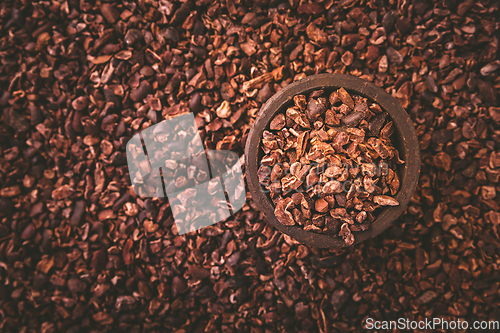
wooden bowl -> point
(404, 139)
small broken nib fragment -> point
(346, 234)
(329, 163)
(384, 200)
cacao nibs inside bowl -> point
(329, 163)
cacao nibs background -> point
(80, 252)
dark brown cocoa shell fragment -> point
(278, 122)
(331, 119)
(376, 123)
(345, 98)
(297, 198)
(334, 98)
(341, 199)
(354, 118)
(139, 93)
(133, 36)
(315, 108)
(332, 226)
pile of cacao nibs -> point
(330, 163)
(80, 251)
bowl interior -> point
(404, 139)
